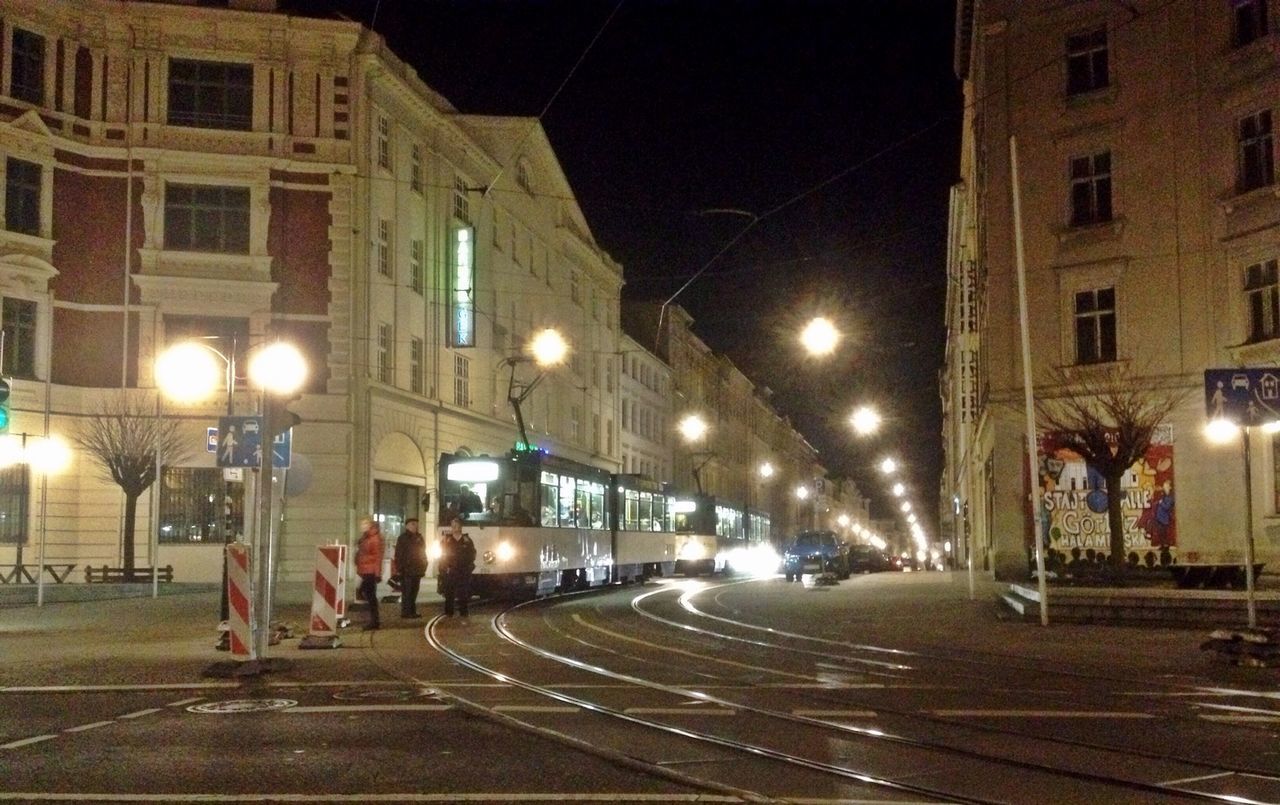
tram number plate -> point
(812, 566)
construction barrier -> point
(343, 620)
(327, 596)
(239, 600)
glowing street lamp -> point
(899, 489)
(278, 369)
(819, 337)
(1221, 431)
(865, 420)
(906, 506)
(888, 466)
(187, 372)
(802, 492)
(548, 348)
(766, 470)
(843, 520)
(693, 428)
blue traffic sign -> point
(240, 443)
(211, 440)
(1243, 396)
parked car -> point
(816, 552)
(868, 559)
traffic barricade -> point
(239, 600)
(327, 596)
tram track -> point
(816, 696)
(844, 731)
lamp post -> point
(693, 430)
(546, 349)
(187, 372)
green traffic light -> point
(4, 418)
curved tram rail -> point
(844, 731)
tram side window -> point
(646, 511)
(631, 518)
(566, 501)
(659, 513)
(550, 497)
(599, 514)
(582, 505)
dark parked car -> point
(868, 559)
(816, 552)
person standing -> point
(411, 562)
(369, 567)
(457, 563)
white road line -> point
(1241, 719)
(140, 713)
(370, 708)
(92, 726)
(1266, 711)
(1202, 778)
(96, 688)
(534, 708)
(503, 796)
(1041, 713)
(27, 741)
(677, 711)
(834, 713)
(181, 702)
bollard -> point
(239, 606)
(326, 595)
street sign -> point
(240, 443)
(4, 405)
(211, 440)
(1244, 396)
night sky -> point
(836, 122)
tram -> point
(719, 536)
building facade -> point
(1151, 221)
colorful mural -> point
(1075, 504)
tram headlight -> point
(505, 551)
(433, 551)
(692, 551)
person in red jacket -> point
(369, 567)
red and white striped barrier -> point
(239, 600)
(327, 597)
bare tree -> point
(124, 438)
(1108, 417)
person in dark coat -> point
(411, 564)
(369, 567)
(457, 563)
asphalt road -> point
(892, 687)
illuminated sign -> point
(685, 506)
(462, 304)
(472, 471)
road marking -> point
(92, 726)
(677, 711)
(181, 702)
(96, 688)
(1042, 713)
(834, 713)
(1241, 719)
(1200, 779)
(27, 741)
(140, 713)
(1266, 711)
(503, 796)
(534, 708)
(370, 708)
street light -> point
(843, 520)
(888, 466)
(899, 489)
(1221, 431)
(865, 420)
(766, 470)
(906, 506)
(802, 492)
(692, 428)
(819, 337)
(547, 348)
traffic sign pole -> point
(1250, 594)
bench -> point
(21, 574)
(108, 575)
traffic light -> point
(279, 417)
(4, 405)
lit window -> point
(204, 218)
(461, 381)
(1087, 62)
(384, 247)
(384, 142)
(415, 365)
(1095, 321)
(26, 71)
(417, 272)
(1091, 189)
(461, 205)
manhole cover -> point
(243, 706)
(383, 694)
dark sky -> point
(689, 105)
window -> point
(1248, 21)
(595, 433)
(22, 184)
(384, 142)
(26, 76)
(14, 494)
(415, 365)
(417, 274)
(515, 247)
(595, 370)
(210, 95)
(1087, 68)
(575, 293)
(595, 307)
(1256, 166)
(384, 247)
(461, 381)
(575, 417)
(193, 501)
(1264, 302)
(522, 176)
(608, 374)
(461, 205)
(386, 353)
(626, 415)
(203, 218)
(1091, 189)
(415, 169)
(1096, 326)
(608, 437)
(18, 323)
